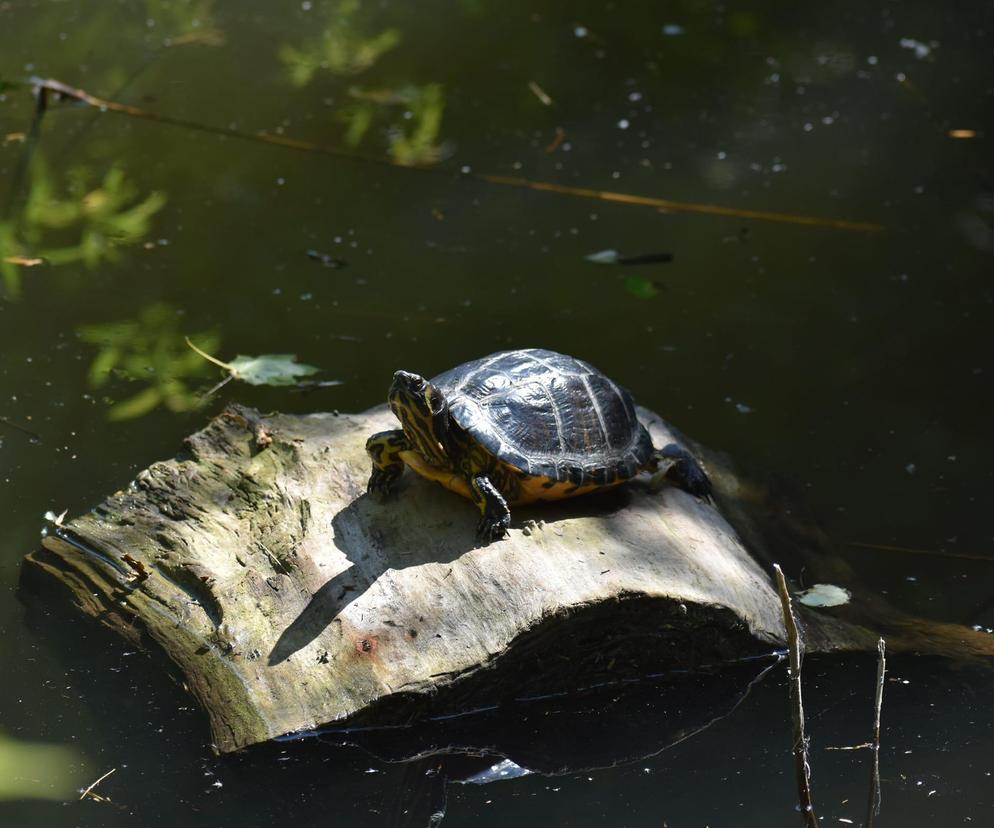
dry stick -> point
(663, 204)
(94, 784)
(873, 805)
(935, 553)
(802, 769)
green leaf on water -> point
(642, 288)
(265, 369)
(270, 369)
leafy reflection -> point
(88, 224)
(31, 770)
(150, 350)
(411, 115)
(342, 49)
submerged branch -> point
(935, 553)
(873, 805)
(104, 105)
(802, 769)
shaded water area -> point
(853, 365)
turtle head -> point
(424, 414)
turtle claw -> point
(493, 528)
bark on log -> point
(290, 599)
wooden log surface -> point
(289, 598)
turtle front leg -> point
(384, 450)
(678, 466)
(496, 516)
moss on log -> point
(290, 599)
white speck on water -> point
(306, 297)
(873, 60)
(919, 190)
(828, 120)
(306, 5)
(580, 31)
(634, 97)
(281, 181)
(921, 50)
(465, 169)
(778, 167)
(742, 408)
(616, 174)
(951, 458)
(911, 578)
(623, 123)
(673, 29)
(809, 126)
(722, 155)
(911, 468)
(900, 77)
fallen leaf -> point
(824, 595)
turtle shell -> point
(549, 415)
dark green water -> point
(857, 365)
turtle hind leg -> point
(678, 466)
(496, 517)
(384, 450)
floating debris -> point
(325, 259)
(539, 93)
(824, 595)
(608, 257)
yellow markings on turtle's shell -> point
(537, 488)
(531, 488)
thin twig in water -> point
(801, 767)
(935, 553)
(873, 805)
(88, 791)
(65, 91)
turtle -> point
(517, 427)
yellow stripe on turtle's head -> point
(424, 415)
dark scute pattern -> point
(549, 414)
(525, 417)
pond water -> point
(849, 362)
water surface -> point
(855, 365)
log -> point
(289, 599)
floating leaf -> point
(265, 369)
(270, 369)
(608, 257)
(642, 288)
(603, 257)
(824, 595)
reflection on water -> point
(342, 48)
(149, 351)
(854, 364)
(80, 221)
(30, 770)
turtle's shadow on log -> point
(373, 535)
